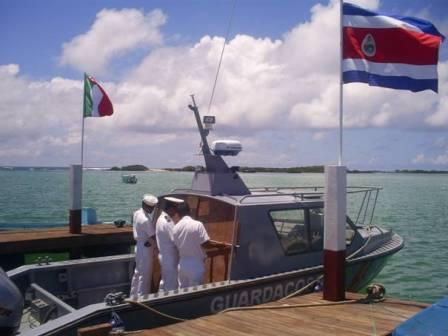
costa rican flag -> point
(396, 52)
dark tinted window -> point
(291, 229)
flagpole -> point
(83, 118)
(82, 141)
(341, 92)
(75, 210)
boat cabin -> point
(270, 230)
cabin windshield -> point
(302, 230)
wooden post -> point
(334, 233)
(75, 199)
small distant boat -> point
(132, 179)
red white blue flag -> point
(396, 52)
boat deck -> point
(315, 317)
(96, 237)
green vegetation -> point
(310, 169)
(130, 168)
(420, 171)
(291, 170)
(186, 169)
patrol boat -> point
(274, 248)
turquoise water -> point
(414, 206)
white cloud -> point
(438, 160)
(440, 116)
(285, 84)
(114, 33)
(439, 146)
(9, 69)
(420, 158)
(441, 159)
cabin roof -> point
(277, 195)
(264, 195)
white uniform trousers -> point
(191, 272)
(168, 265)
(141, 281)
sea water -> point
(413, 205)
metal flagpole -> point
(82, 140)
(75, 210)
(341, 92)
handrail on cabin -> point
(303, 195)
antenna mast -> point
(194, 108)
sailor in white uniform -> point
(144, 235)
(168, 254)
(190, 238)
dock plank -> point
(36, 240)
(332, 320)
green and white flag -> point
(96, 101)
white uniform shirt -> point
(143, 226)
(188, 236)
(164, 235)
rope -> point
(299, 291)
(155, 310)
(403, 316)
(368, 299)
(375, 295)
(284, 306)
(222, 54)
(372, 309)
(414, 304)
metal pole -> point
(232, 251)
(82, 142)
(194, 108)
(83, 118)
(341, 92)
(75, 198)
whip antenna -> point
(222, 54)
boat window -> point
(292, 230)
(316, 229)
(302, 230)
(317, 219)
(349, 234)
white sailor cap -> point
(150, 200)
(174, 199)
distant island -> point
(420, 171)
(243, 169)
(314, 169)
(130, 168)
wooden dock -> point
(313, 316)
(95, 240)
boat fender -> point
(117, 323)
(11, 306)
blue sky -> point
(277, 91)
